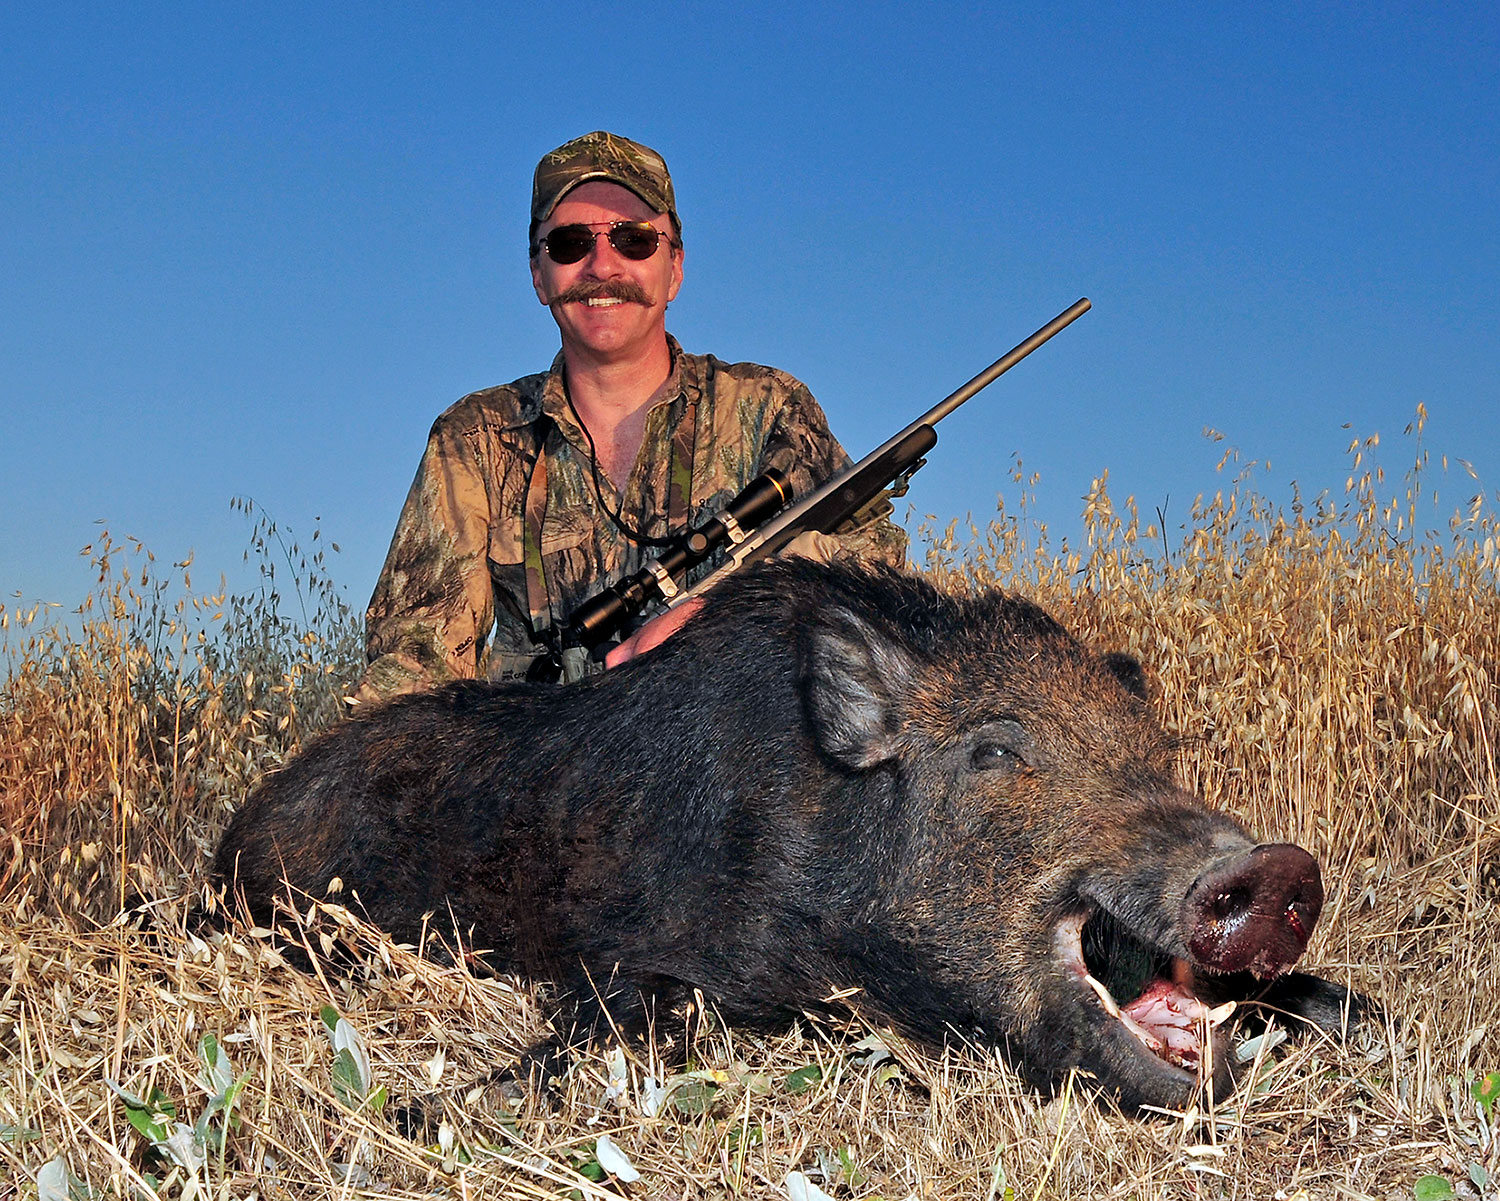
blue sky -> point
(255, 250)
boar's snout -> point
(1254, 912)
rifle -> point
(760, 507)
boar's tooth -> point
(1219, 1014)
(1148, 1040)
(1111, 1006)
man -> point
(534, 496)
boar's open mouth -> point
(1250, 911)
(1148, 991)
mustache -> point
(614, 289)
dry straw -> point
(1331, 666)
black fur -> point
(829, 779)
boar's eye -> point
(1001, 746)
(996, 756)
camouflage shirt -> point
(507, 480)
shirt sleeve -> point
(433, 606)
(801, 444)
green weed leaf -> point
(588, 1167)
(1486, 1091)
(347, 1087)
(848, 1169)
(737, 1137)
(1432, 1188)
(153, 1117)
(695, 1097)
(351, 1062)
(803, 1078)
(218, 1072)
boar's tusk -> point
(1111, 1006)
(1220, 1014)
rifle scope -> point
(604, 615)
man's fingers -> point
(653, 633)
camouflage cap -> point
(605, 156)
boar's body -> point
(830, 779)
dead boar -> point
(832, 779)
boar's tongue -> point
(1168, 1020)
(1165, 1016)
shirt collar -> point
(554, 397)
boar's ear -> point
(1128, 670)
(854, 676)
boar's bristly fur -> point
(829, 779)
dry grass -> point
(1333, 666)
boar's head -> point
(1042, 883)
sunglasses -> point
(633, 240)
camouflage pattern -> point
(498, 542)
(605, 156)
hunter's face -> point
(608, 308)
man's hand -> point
(654, 632)
(809, 544)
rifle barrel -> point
(777, 532)
(1005, 362)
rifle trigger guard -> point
(665, 584)
(732, 528)
(902, 482)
